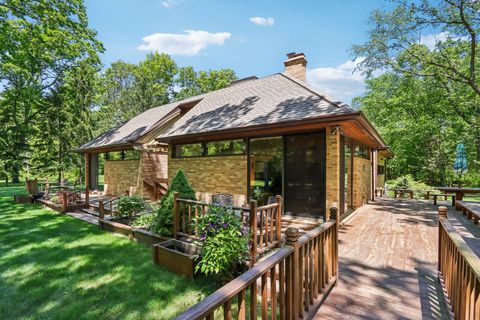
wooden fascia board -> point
(110, 148)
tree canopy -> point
(54, 95)
(426, 99)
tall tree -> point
(39, 42)
(397, 41)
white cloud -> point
(261, 21)
(340, 82)
(188, 44)
(170, 3)
(430, 40)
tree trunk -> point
(15, 177)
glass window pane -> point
(266, 156)
(188, 150)
(225, 147)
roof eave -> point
(256, 128)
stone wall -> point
(332, 170)
(212, 175)
(362, 181)
(120, 176)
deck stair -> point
(158, 187)
(89, 211)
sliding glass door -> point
(305, 175)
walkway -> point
(388, 257)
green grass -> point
(54, 266)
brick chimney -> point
(296, 66)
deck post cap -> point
(442, 211)
(292, 234)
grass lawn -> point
(54, 266)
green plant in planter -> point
(163, 221)
(131, 205)
(224, 242)
(147, 217)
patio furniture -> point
(459, 192)
(400, 192)
(223, 199)
(436, 195)
(470, 209)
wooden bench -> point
(400, 192)
(470, 209)
(446, 195)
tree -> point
(192, 83)
(39, 42)
(411, 115)
(395, 43)
(163, 221)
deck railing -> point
(106, 208)
(265, 222)
(458, 270)
(289, 284)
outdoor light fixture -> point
(336, 130)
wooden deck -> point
(388, 260)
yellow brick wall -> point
(332, 170)
(121, 176)
(213, 175)
(362, 180)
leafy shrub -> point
(163, 220)
(131, 205)
(224, 240)
(147, 217)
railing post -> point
(334, 216)
(279, 200)
(253, 230)
(64, 202)
(293, 293)
(176, 215)
(442, 214)
(101, 210)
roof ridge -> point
(305, 85)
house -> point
(258, 138)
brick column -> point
(332, 170)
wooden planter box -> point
(115, 227)
(140, 235)
(146, 237)
(23, 199)
(176, 256)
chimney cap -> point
(294, 55)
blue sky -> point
(250, 37)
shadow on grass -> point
(54, 266)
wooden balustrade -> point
(265, 222)
(458, 270)
(289, 284)
(106, 207)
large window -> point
(213, 148)
(266, 155)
